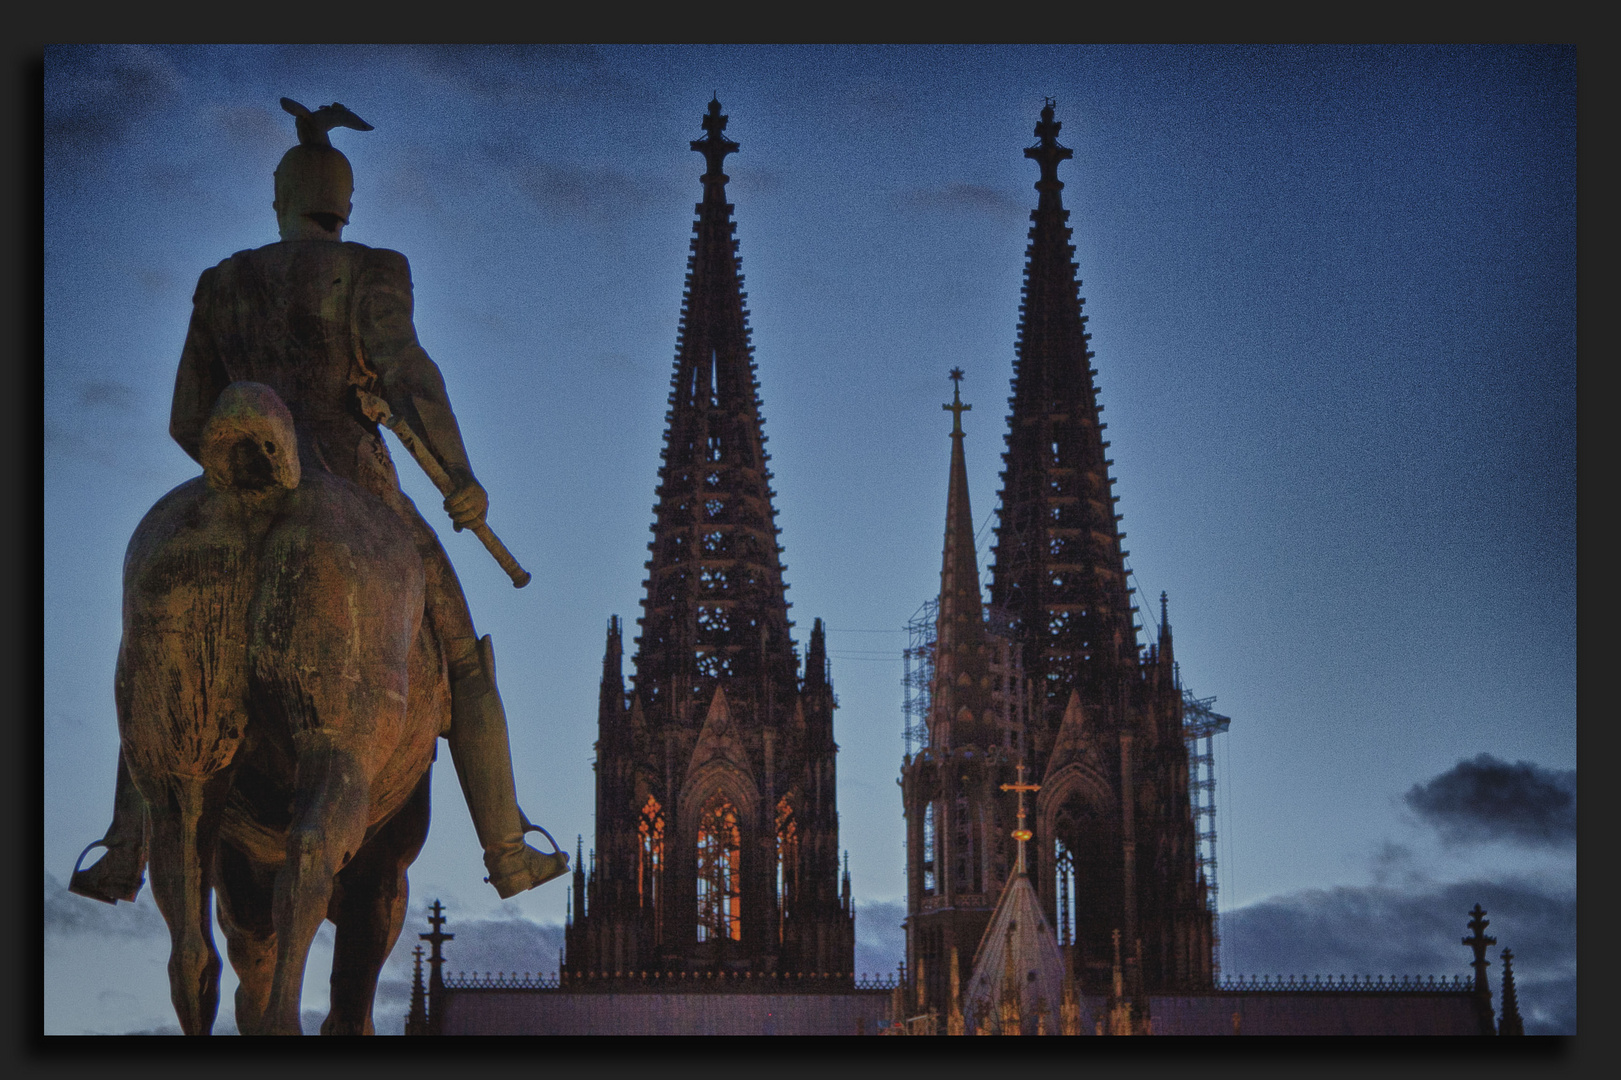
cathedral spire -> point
(717, 817)
(1059, 572)
(960, 662)
(716, 607)
(612, 698)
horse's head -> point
(248, 444)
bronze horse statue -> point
(279, 696)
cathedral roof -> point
(1019, 951)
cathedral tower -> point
(717, 832)
(958, 815)
(1099, 720)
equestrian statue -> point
(295, 640)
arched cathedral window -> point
(1065, 863)
(650, 864)
(720, 866)
(787, 861)
(930, 842)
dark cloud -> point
(94, 94)
(880, 938)
(1488, 799)
(1378, 930)
(965, 199)
(66, 913)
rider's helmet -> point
(314, 182)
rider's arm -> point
(201, 376)
(411, 382)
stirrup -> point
(514, 872)
(82, 883)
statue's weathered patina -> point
(295, 639)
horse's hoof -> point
(523, 869)
(115, 876)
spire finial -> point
(1021, 834)
(1478, 941)
(956, 408)
(714, 146)
(1047, 153)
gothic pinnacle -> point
(1048, 153)
(714, 146)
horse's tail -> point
(248, 443)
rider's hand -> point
(468, 504)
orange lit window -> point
(650, 865)
(720, 865)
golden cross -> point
(1021, 834)
(956, 408)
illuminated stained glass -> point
(720, 864)
(650, 864)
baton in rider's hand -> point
(377, 410)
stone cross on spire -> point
(1047, 153)
(1021, 834)
(714, 146)
(956, 408)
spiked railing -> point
(757, 982)
(1405, 984)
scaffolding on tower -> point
(917, 677)
(1200, 725)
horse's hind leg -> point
(368, 907)
(185, 819)
(245, 889)
(331, 802)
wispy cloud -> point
(66, 913)
(108, 394)
(573, 191)
(1488, 799)
(94, 94)
(555, 73)
(511, 944)
(972, 199)
(881, 938)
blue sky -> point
(1332, 297)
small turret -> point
(1510, 1023)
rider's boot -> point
(483, 759)
(118, 874)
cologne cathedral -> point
(713, 902)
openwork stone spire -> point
(961, 687)
(716, 607)
(717, 818)
(1059, 572)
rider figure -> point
(317, 318)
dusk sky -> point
(1332, 293)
